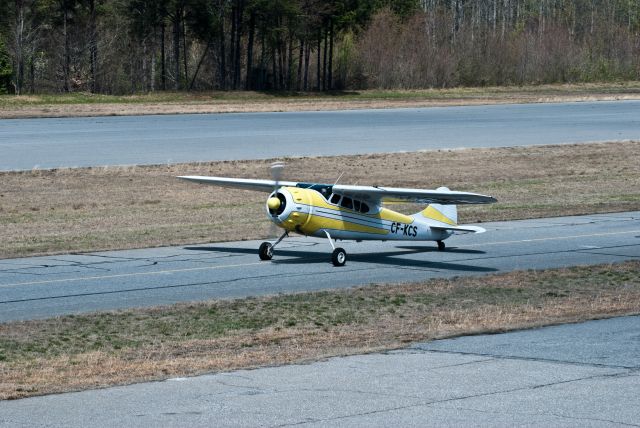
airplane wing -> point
(239, 183)
(441, 195)
(463, 228)
(374, 194)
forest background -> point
(133, 46)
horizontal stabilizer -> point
(462, 228)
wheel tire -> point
(339, 257)
(265, 251)
(441, 246)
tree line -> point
(128, 46)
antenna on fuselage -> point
(339, 177)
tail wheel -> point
(339, 257)
(441, 246)
(265, 251)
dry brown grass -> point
(87, 209)
(83, 104)
(96, 350)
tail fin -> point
(447, 214)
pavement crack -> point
(602, 253)
(538, 253)
(248, 389)
(557, 415)
(447, 400)
(537, 359)
(579, 418)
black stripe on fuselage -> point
(381, 228)
(374, 222)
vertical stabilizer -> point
(447, 214)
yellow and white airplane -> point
(343, 212)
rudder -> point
(443, 213)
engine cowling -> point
(289, 208)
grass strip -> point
(120, 347)
(89, 209)
(87, 104)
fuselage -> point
(311, 212)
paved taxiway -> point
(47, 286)
(577, 375)
(72, 142)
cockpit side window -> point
(347, 203)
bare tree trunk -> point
(184, 47)
(93, 46)
(176, 50)
(290, 59)
(318, 74)
(67, 50)
(473, 21)
(19, 46)
(275, 68)
(145, 76)
(223, 55)
(593, 9)
(252, 26)
(541, 23)
(300, 60)
(307, 53)
(263, 62)
(238, 45)
(281, 62)
(195, 73)
(32, 75)
(163, 78)
(495, 15)
(152, 87)
(324, 62)
(330, 71)
(232, 47)
(504, 19)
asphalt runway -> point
(47, 286)
(579, 375)
(77, 142)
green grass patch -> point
(113, 332)
(10, 101)
(84, 351)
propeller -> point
(277, 168)
(274, 203)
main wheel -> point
(339, 257)
(441, 246)
(265, 251)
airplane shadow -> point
(390, 258)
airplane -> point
(354, 213)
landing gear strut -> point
(441, 245)
(339, 255)
(265, 252)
